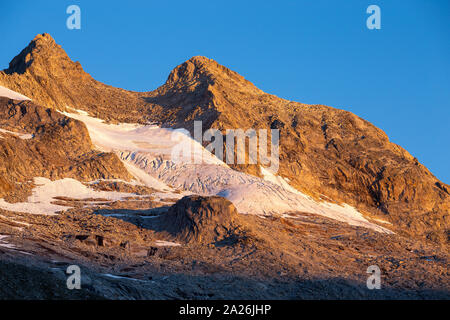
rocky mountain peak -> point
(44, 72)
(199, 69)
(43, 39)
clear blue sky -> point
(317, 52)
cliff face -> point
(325, 152)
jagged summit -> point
(44, 72)
(41, 50)
(43, 38)
(198, 65)
(323, 151)
(203, 69)
(34, 70)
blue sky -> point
(317, 52)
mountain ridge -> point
(323, 151)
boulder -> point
(200, 219)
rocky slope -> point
(201, 219)
(324, 152)
(129, 256)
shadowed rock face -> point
(323, 151)
(200, 219)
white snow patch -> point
(381, 221)
(5, 244)
(23, 136)
(120, 277)
(82, 112)
(5, 92)
(162, 243)
(40, 202)
(168, 196)
(269, 176)
(132, 183)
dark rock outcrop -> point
(200, 219)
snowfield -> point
(5, 92)
(159, 142)
(24, 136)
(147, 150)
(43, 196)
